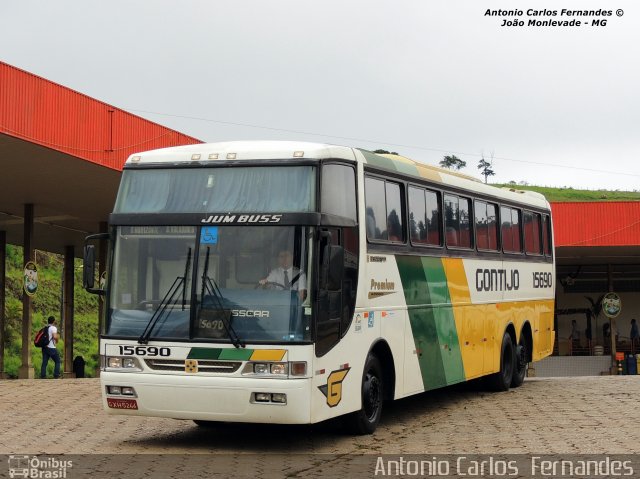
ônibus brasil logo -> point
(41, 468)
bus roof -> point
(205, 153)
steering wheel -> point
(272, 284)
(146, 303)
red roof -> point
(40, 111)
(606, 223)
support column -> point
(26, 370)
(68, 302)
(3, 282)
(612, 323)
(102, 266)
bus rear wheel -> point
(521, 363)
(501, 381)
(367, 418)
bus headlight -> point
(128, 364)
(279, 369)
(114, 362)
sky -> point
(553, 106)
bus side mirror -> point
(89, 263)
(89, 267)
(335, 267)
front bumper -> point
(211, 398)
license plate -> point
(122, 403)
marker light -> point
(231, 156)
(298, 368)
(298, 154)
(213, 156)
(135, 159)
(195, 156)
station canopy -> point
(63, 152)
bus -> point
(291, 283)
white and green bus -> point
(278, 282)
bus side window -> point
(338, 193)
(457, 212)
(532, 233)
(506, 230)
(546, 235)
(376, 209)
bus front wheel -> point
(367, 418)
(501, 381)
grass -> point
(47, 302)
(571, 194)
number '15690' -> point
(144, 351)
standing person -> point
(634, 335)
(574, 337)
(50, 350)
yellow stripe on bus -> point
(268, 355)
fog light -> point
(114, 362)
(262, 397)
(298, 368)
(279, 397)
(114, 390)
(127, 391)
(261, 368)
(279, 368)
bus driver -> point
(286, 276)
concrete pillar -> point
(67, 306)
(612, 322)
(26, 369)
(3, 272)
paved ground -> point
(567, 415)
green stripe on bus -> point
(204, 353)
(434, 331)
(379, 161)
(236, 354)
(220, 353)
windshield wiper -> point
(169, 297)
(210, 286)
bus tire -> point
(367, 418)
(520, 369)
(501, 380)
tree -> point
(485, 168)
(452, 162)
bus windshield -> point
(211, 283)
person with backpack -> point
(47, 339)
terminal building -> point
(64, 153)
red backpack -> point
(42, 337)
